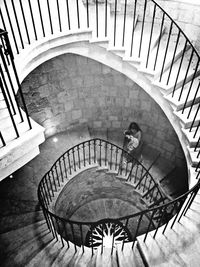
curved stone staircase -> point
(39, 249)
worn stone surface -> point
(75, 90)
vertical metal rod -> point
(173, 58)
(24, 20)
(8, 107)
(59, 19)
(79, 160)
(11, 83)
(84, 154)
(11, 27)
(50, 20)
(88, 19)
(137, 229)
(106, 17)
(2, 139)
(166, 51)
(65, 167)
(124, 26)
(115, 21)
(18, 82)
(179, 68)
(2, 19)
(68, 14)
(32, 18)
(150, 222)
(151, 34)
(188, 67)
(191, 84)
(194, 115)
(74, 161)
(62, 177)
(49, 178)
(159, 41)
(70, 167)
(97, 18)
(193, 101)
(59, 231)
(142, 31)
(7, 90)
(89, 152)
(133, 29)
(18, 28)
(54, 181)
(77, 6)
(57, 176)
(82, 242)
(41, 19)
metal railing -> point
(143, 28)
(152, 37)
(10, 87)
(106, 154)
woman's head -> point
(134, 127)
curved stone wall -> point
(70, 90)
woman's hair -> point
(134, 126)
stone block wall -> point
(71, 90)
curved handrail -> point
(12, 24)
(154, 216)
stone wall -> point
(71, 90)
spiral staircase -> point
(141, 41)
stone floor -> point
(19, 195)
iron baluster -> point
(97, 18)
(133, 29)
(115, 22)
(59, 19)
(17, 23)
(32, 18)
(106, 17)
(11, 27)
(142, 31)
(173, 58)
(151, 34)
(24, 20)
(41, 19)
(124, 26)
(159, 41)
(87, 8)
(191, 84)
(50, 20)
(68, 14)
(188, 67)
(166, 50)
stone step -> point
(47, 255)
(192, 136)
(194, 156)
(178, 246)
(15, 221)
(14, 239)
(129, 257)
(28, 250)
(107, 258)
(193, 114)
(189, 91)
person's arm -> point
(138, 135)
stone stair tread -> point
(174, 99)
(85, 258)
(190, 135)
(161, 54)
(107, 258)
(27, 251)
(129, 257)
(46, 256)
(13, 239)
(178, 247)
(194, 155)
(184, 117)
(14, 221)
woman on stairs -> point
(132, 142)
